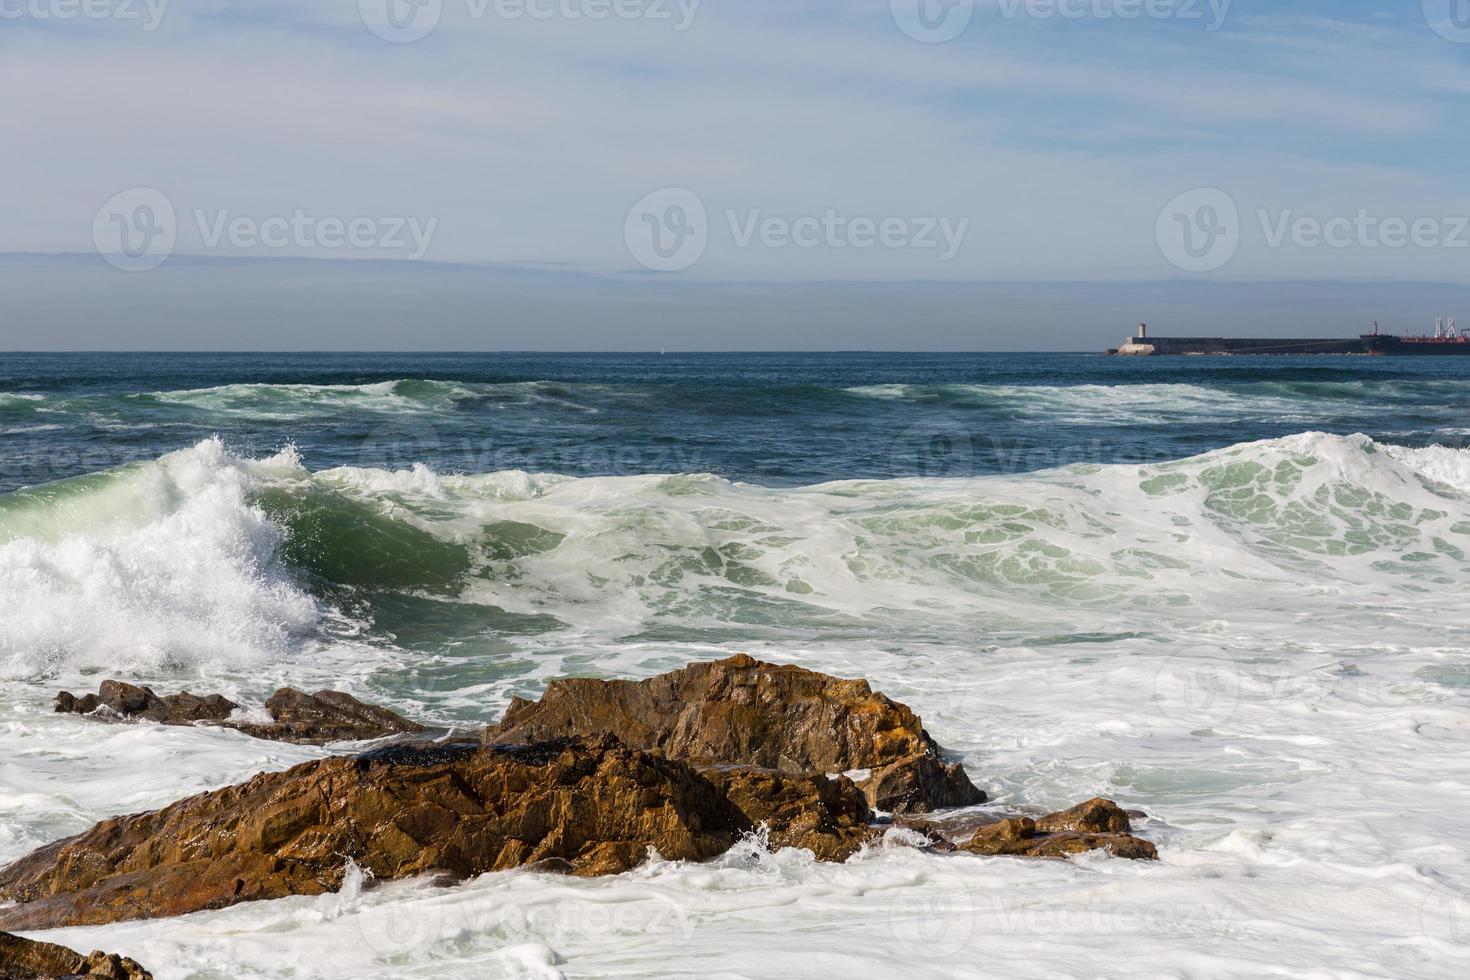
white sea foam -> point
(160, 563)
(1129, 403)
(284, 402)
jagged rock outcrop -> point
(327, 716)
(306, 719)
(27, 959)
(131, 701)
(584, 806)
(743, 712)
(1095, 825)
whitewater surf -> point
(1257, 643)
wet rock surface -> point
(1095, 825)
(583, 806)
(305, 719)
(589, 781)
(122, 700)
(27, 959)
(743, 712)
(829, 817)
(327, 716)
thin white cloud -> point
(529, 141)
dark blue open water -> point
(774, 419)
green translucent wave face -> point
(342, 541)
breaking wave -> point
(1232, 397)
(1281, 401)
(202, 554)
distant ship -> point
(1447, 340)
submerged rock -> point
(306, 719)
(1095, 825)
(27, 959)
(584, 806)
(743, 712)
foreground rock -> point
(587, 806)
(305, 719)
(26, 959)
(1095, 825)
(590, 780)
(743, 712)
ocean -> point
(1228, 592)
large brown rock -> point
(1095, 825)
(743, 712)
(27, 959)
(589, 781)
(305, 719)
(587, 806)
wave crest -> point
(201, 554)
(150, 565)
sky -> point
(545, 150)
